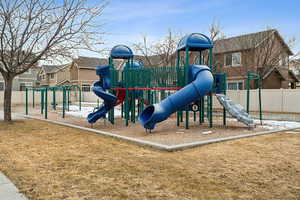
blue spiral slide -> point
(200, 83)
(99, 88)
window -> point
(228, 59)
(86, 87)
(237, 85)
(1, 86)
(51, 76)
(232, 59)
(23, 86)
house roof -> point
(92, 62)
(285, 73)
(247, 41)
(281, 72)
(63, 82)
(89, 62)
(51, 68)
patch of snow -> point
(273, 124)
(89, 103)
(206, 132)
(86, 110)
(277, 125)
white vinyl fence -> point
(273, 100)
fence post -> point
(64, 102)
(26, 106)
(42, 101)
(225, 93)
(248, 90)
(186, 74)
(54, 98)
(79, 97)
(33, 95)
(259, 99)
(46, 103)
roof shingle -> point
(92, 62)
(52, 68)
(244, 42)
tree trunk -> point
(7, 98)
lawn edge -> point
(169, 148)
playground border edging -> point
(130, 139)
(158, 146)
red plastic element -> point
(120, 96)
(146, 102)
(160, 88)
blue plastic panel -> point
(121, 52)
(195, 42)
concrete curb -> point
(195, 144)
(130, 139)
(158, 146)
(8, 191)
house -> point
(48, 75)
(81, 71)
(295, 66)
(264, 53)
(20, 82)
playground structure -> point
(66, 100)
(118, 95)
(186, 89)
(194, 85)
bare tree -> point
(160, 53)
(145, 48)
(166, 48)
(215, 31)
(34, 30)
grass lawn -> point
(48, 161)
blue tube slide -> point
(99, 88)
(201, 82)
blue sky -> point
(126, 20)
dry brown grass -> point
(48, 161)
